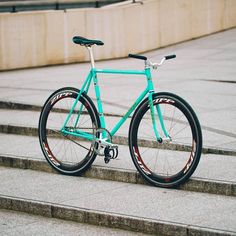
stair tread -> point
(211, 166)
(141, 201)
(28, 118)
(16, 223)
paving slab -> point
(212, 139)
(211, 166)
(17, 223)
(140, 202)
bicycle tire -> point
(65, 153)
(166, 164)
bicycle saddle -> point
(86, 42)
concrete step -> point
(18, 121)
(126, 206)
(18, 223)
(214, 174)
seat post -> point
(91, 56)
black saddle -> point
(86, 42)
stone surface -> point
(113, 198)
(15, 223)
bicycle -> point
(165, 138)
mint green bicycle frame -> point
(92, 76)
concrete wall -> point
(29, 39)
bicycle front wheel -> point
(67, 153)
(171, 162)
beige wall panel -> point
(167, 22)
(107, 25)
(94, 29)
(39, 38)
(20, 40)
(183, 21)
(54, 28)
(39, 35)
(75, 25)
(150, 31)
(216, 15)
(1, 44)
(200, 17)
(115, 38)
(134, 29)
(230, 14)
(142, 29)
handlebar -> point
(170, 57)
(138, 57)
(149, 63)
(155, 65)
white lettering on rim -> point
(59, 96)
(165, 100)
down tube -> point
(124, 118)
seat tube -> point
(97, 91)
(98, 98)
(96, 88)
(91, 56)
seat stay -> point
(84, 88)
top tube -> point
(126, 72)
(112, 71)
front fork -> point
(156, 112)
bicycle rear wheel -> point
(172, 162)
(66, 153)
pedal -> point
(107, 159)
(110, 152)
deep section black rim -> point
(193, 159)
(51, 158)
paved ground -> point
(14, 223)
(166, 205)
(204, 73)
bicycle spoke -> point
(169, 162)
(68, 153)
